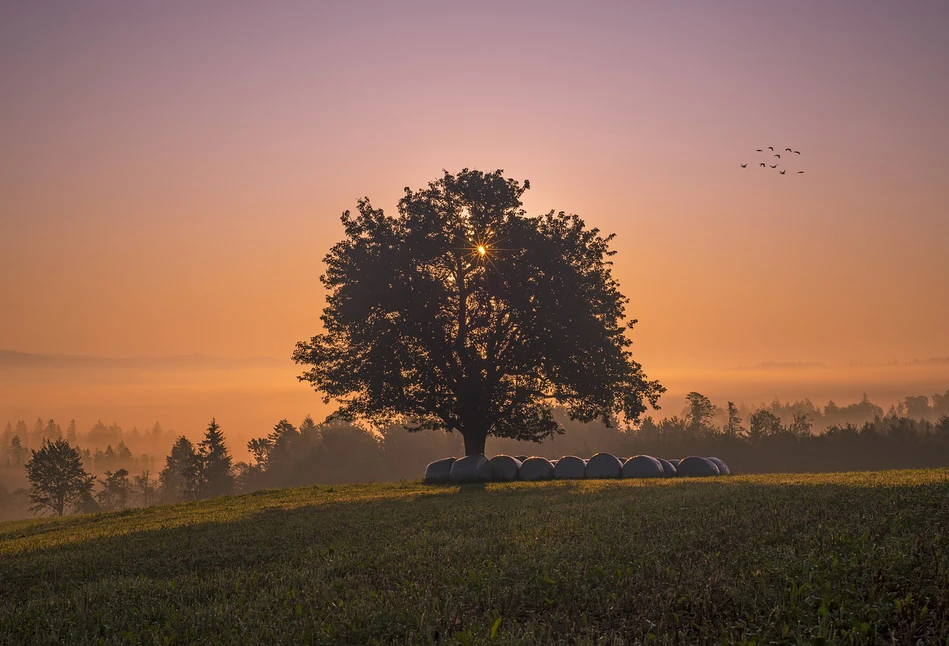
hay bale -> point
(675, 462)
(642, 466)
(696, 467)
(439, 471)
(668, 469)
(569, 467)
(521, 458)
(604, 465)
(502, 468)
(468, 469)
(722, 467)
(536, 469)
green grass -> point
(846, 558)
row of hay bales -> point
(504, 468)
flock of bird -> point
(778, 155)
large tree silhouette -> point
(463, 313)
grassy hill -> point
(853, 558)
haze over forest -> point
(174, 175)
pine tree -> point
(180, 477)
(5, 438)
(71, 436)
(733, 427)
(52, 431)
(18, 452)
(36, 435)
(216, 477)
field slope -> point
(853, 558)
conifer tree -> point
(216, 478)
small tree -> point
(764, 423)
(144, 489)
(699, 412)
(18, 452)
(733, 426)
(71, 435)
(180, 477)
(57, 478)
(5, 438)
(216, 478)
(115, 490)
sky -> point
(173, 173)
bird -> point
(771, 148)
(797, 152)
(759, 150)
(744, 165)
(777, 155)
(775, 166)
(799, 172)
(782, 171)
(763, 164)
(787, 150)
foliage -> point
(57, 478)
(841, 558)
(115, 490)
(180, 477)
(214, 464)
(464, 314)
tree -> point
(764, 423)
(18, 452)
(144, 489)
(463, 313)
(35, 438)
(180, 477)
(57, 478)
(918, 407)
(52, 431)
(5, 438)
(115, 490)
(699, 412)
(216, 478)
(71, 431)
(733, 426)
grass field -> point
(845, 558)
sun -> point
(482, 250)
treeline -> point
(769, 438)
(106, 447)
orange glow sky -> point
(173, 173)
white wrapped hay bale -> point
(439, 471)
(642, 466)
(675, 462)
(502, 468)
(696, 467)
(668, 469)
(722, 467)
(536, 469)
(569, 467)
(604, 465)
(468, 469)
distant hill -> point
(12, 359)
(785, 365)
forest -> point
(126, 470)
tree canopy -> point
(57, 477)
(464, 313)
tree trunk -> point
(474, 441)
